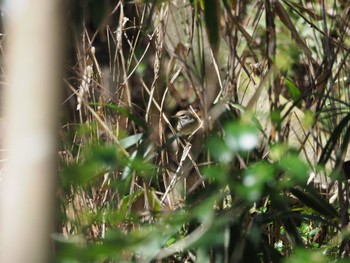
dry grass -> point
(288, 71)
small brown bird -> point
(187, 123)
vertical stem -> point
(30, 107)
(271, 54)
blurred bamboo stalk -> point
(33, 53)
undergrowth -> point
(264, 178)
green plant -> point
(273, 99)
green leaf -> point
(241, 137)
(316, 202)
(306, 255)
(218, 148)
(293, 91)
(216, 173)
(254, 180)
(131, 140)
(97, 161)
(127, 113)
(103, 155)
(296, 168)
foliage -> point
(261, 181)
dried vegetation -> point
(263, 175)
